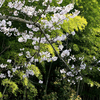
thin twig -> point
(39, 44)
(78, 88)
(48, 78)
(2, 42)
(42, 12)
(4, 91)
(24, 96)
(5, 49)
(18, 19)
(54, 48)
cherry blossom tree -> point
(41, 27)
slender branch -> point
(53, 48)
(39, 44)
(24, 96)
(3, 43)
(78, 87)
(18, 19)
(6, 85)
(47, 79)
(4, 90)
(5, 49)
(42, 13)
(57, 23)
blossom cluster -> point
(28, 72)
(65, 53)
(1, 2)
(71, 74)
(2, 75)
(62, 71)
(3, 27)
(3, 65)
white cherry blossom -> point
(9, 60)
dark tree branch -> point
(37, 25)
(18, 19)
(5, 49)
(53, 48)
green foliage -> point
(12, 86)
(76, 23)
(75, 48)
(32, 91)
(87, 43)
(51, 96)
(0, 95)
(24, 81)
(73, 96)
(36, 71)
